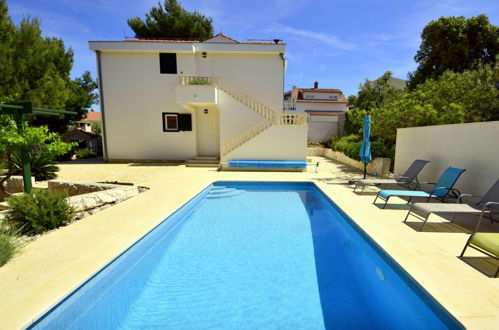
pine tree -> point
(172, 21)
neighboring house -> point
(181, 99)
(86, 122)
(85, 140)
(325, 108)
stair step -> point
(202, 161)
(206, 157)
(202, 164)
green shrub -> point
(39, 211)
(85, 153)
(199, 81)
(350, 146)
(8, 247)
(43, 165)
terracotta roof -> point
(162, 40)
(341, 100)
(91, 116)
(324, 113)
(321, 90)
(221, 35)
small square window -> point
(168, 63)
(170, 122)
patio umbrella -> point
(365, 149)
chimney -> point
(316, 84)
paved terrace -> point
(59, 261)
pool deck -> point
(52, 266)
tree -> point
(456, 44)
(36, 68)
(453, 98)
(372, 95)
(96, 127)
(35, 140)
(81, 97)
(172, 21)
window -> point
(170, 122)
(168, 63)
(334, 97)
(175, 122)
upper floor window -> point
(168, 63)
(333, 97)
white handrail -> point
(270, 116)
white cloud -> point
(329, 39)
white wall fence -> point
(472, 146)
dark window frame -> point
(168, 63)
(184, 121)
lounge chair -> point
(488, 204)
(442, 189)
(487, 243)
(408, 180)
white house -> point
(325, 109)
(183, 100)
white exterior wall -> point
(276, 143)
(135, 95)
(472, 146)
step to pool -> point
(224, 192)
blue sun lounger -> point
(442, 189)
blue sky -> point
(338, 43)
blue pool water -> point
(244, 255)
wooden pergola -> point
(20, 110)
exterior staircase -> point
(269, 116)
(200, 161)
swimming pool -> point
(251, 255)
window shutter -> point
(184, 122)
(168, 63)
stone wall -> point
(14, 185)
(91, 203)
(315, 151)
(378, 167)
(75, 188)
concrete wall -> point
(275, 143)
(136, 94)
(321, 128)
(472, 146)
(302, 106)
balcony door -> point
(208, 131)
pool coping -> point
(468, 320)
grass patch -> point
(8, 247)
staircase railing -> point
(236, 93)
(270, 116)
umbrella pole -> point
(365, 170)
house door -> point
(208, 128)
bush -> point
(43, 166)
(39, 211)
(350, 146)
(8, 247)
(85, 153)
